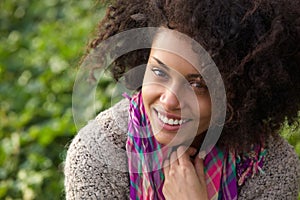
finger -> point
(173, 159)
(166, 164)
(166, 167)
(202, 154)
(184, 154)
(199, 166)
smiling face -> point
(176, 99)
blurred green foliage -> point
(292, 134)
(41, 43)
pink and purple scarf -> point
(224, 171)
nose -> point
(169, 100)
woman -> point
(255, 46)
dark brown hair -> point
(254, 43)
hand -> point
(183, 178)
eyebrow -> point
(189, 76)
(161, 63)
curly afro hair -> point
(254, 43)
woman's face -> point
(176, 98)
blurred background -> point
(41, 44)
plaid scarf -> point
(224, 171)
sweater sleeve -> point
(281, 174)
(96, 164)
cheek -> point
(204, 108)
(150, 93)
(148, 97)
(146, 94)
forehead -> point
(171, 40)
(171, 62)
(177, 44)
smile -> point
(171, 121)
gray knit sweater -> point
(96, 163)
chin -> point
(169, 139)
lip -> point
(167, 127)
(170, 115)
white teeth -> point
(166, 120)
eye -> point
(198, 85)
(159, 72)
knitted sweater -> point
(96, 163)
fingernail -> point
(166, 163)
(194, 151)
(202, 154)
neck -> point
(198, 140)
